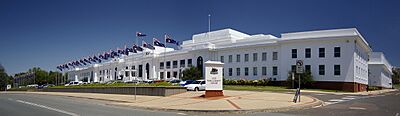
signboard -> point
(299, 66)
(8, 87)
(213, 75)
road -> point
(387, 104)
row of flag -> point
(113, 54)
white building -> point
(337, 58)
(380, 71)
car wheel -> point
(196, 89)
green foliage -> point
(263, 82)
(306, 80)
(396, 76)
(40, 76)
(191, 73)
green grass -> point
(396, 86)
(116, 85)
(258, 88)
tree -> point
(192, 73)
(306, 80)
(396, 76)
(4, 78)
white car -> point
(196, 85)
(74, 83)
(32, 86)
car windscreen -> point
(196, 82)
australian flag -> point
(169, 40)
(83, 62)
(138, 34)
(146, 45)
(156, 42)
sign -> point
(299, 66)
(8, 87)
(213, 75)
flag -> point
(138, 34)
(86, 60)
(138, 48)
(119, 51)
(169, 40)
(146, 45)
(156, 42)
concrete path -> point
(190, 101)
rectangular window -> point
(222, 59)
(294, 53)
(246, 57)
(190, 63)
(321, 69)
(238, 58)
(161, 65)
(168, 75)
(337, 69)
(230, 71)
(162, 75)
(255, 56)
(175, 74)
(246, 71)
(274, 55)
(168, 64)
(264, 56)
(275, 70)
(238, 71)
(308, 52)
(255, 71)
(293, 69)
(307, 68)
(264, 70)
(230, 58)
(336, 52)
(321, 52)
(182, 63)
(175, 64)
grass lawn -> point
(258, 88)
(396, 86)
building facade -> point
(337, 59)
(380, 71)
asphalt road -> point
(387, 104)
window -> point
(264, 56)
(336, 52)
(238, 71)
(246, 57)
(337, 69)
(255, 71)
(294, 53)
(190, 62)
(264, 70)
(175, 74)
(246, 71)
(274, 55)
(308, 52)
(230, 58)
(127, 73)
(307, 68)
(161, 75)
(293, 68)
(255, 56)
(321, 52)
(168, 64)
(321, 69)
(182, 63)
(168, 75)
(230, 71)
(275, 70)
(161, 65)
(222, 59)
(175, 64)
(238, 58)
(126, 68)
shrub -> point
(263, 82)
(306, 80)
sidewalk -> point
(354, 93)
(233, 101)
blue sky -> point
(45, 33)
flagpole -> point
(165, 50)
(209, 23)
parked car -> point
(196, 85)
(133, 81)
(148, 81)
(72, 83)
(175, 81)
(183, 83)
(33, 86)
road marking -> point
(348, 98)
(397, 114)
(49, 108)
(357, 108)
(233, 104)
(320, 94)
(336, 100)
(181, 113)
(329, 103)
